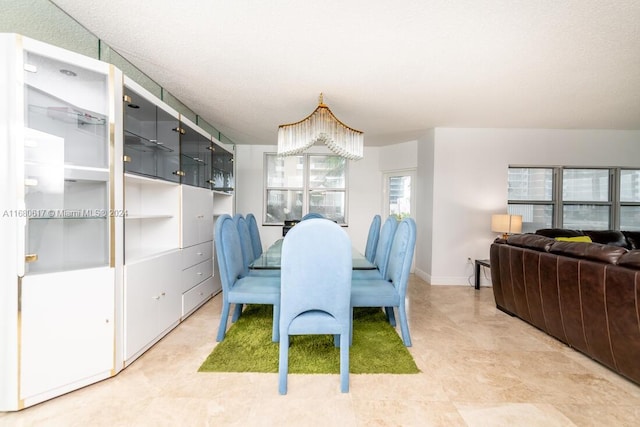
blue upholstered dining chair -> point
(256, 243)
(372, 238)
(248, 257)
(312, 215)
(238, 288)
(391, 292)
(383, 248)
(245, 241)
(315, 290)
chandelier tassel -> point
(321, 126)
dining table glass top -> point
(270, 259)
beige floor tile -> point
(479, 367)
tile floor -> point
(480, 367)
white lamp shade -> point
(505, 223)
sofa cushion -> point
(591, 251)
(633, 239)
(607, 237)
(559, 232)
(531, 241)
(631, 259)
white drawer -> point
(195, 296)
(196, 254)
(196, 274)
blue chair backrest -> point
(316, 270)
(401, 255)
(312, 215)
(256, 243)
(372, 238)
(387, 232)
(245, 242)
(228, 251)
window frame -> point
(306, 188)
(558, 203)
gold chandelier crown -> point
(321, 126)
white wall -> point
(398, 156)
(424, 205)
(470, 182)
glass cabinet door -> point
(168, 135)
(222, 170)
(66, 165)
(151, 138)
(196, 157)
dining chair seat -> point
(255, 290)
(367, 275)
(371, 293)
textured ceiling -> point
(390, 69)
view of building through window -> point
(400, 196)
(577, 198)
(306, 183)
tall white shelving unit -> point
(62, 220)
(107, 242)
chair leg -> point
(236, 313)
(404, 326)
(391, 317)
(344, 362)
(223, 321)
(275, 329)
(283, 364)
(351, 327)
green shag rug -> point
(247, 347)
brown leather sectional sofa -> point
(587, 295)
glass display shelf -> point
(151, 135)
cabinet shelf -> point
(142, 144)
(146, 216)
(68, 115)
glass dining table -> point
(270, 259)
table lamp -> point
(506, 224)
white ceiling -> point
(390, 69)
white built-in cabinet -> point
(152, 261)
(107, 208)
(61, 224)
(197, 247)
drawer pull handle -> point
(200, 253)
(199, 273)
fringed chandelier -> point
(320, 126)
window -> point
(531, 195)
(297, 185)
(586, 199)
(630, 199)
(578, 198)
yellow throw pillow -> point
(574, 239)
